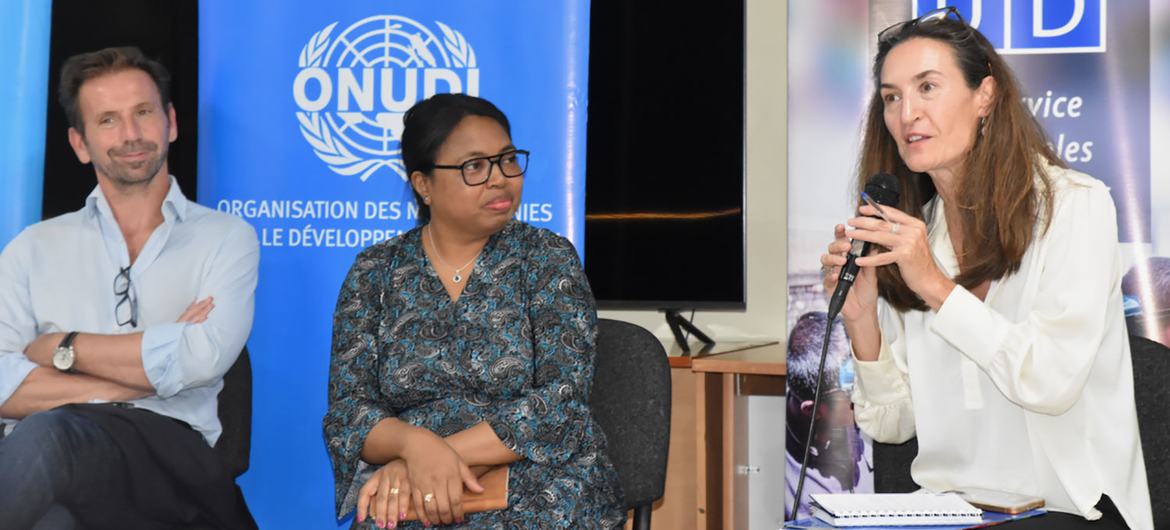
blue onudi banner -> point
(301, 106)
(24, 57)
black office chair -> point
(891, 467)
(630, 400)
(235, 415)
(1151, 370)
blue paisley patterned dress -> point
(515, 351)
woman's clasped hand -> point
(430, 476)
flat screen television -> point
(665, 188)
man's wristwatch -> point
(64, 356)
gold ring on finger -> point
(430, 497)
(394, 491)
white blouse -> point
(1030, 391)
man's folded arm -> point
(45, 388)
(182, 355)
(167, 358)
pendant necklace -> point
(458, 276)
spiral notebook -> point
(894, 509)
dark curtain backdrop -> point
(167, 31)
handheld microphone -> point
(885, 190)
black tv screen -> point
(664, 222)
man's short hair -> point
(804, 354)
(85, 66)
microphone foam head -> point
(884, 188)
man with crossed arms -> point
(117, 324)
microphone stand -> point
(812, 424)
(885, 188)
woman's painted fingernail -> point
(401, 516)
(390, 524)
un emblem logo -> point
(354, 87)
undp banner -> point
(301, 106)
(1093, 73)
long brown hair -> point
(1000, 200)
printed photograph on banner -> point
(828, 87)
(839, 460)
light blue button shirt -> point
(58, 275)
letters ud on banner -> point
(1033, 26)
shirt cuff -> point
(159, 344)
(14, 368)
(878, 382)
(966, 323)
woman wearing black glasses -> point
(467, 343)
(989, 323)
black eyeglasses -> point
(478, 170)
(942, 13)
(126, 310)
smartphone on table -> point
(999, 501)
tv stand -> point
(677, 323)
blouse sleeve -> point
(1041, 360)
(549, 422)
(354, 399)
(882, 405)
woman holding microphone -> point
(988, 322)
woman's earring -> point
(983, 126)
(427, 199)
